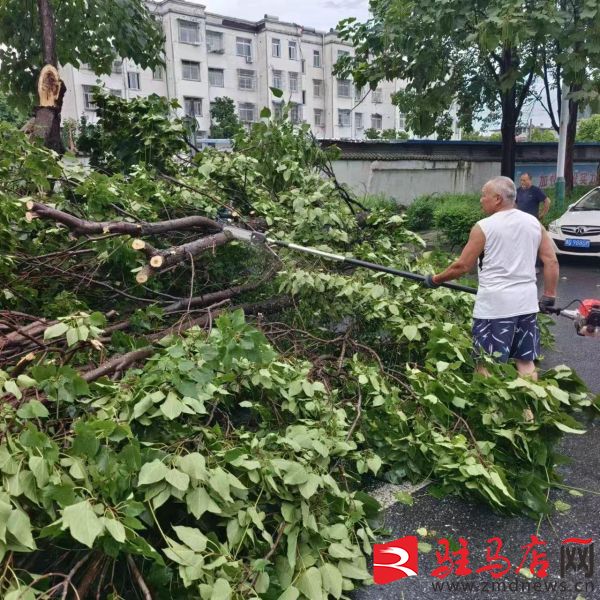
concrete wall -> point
(408, 169)
(404, 180)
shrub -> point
(419, 215)
(455, 217)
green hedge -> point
(453, 214)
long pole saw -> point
(586, 318)
(261, 238)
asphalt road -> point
(453, 517)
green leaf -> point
(177, 479)
(221, 590)
(172, 407)
(568, 429)
(265, 113)
(405, 498)
(338, 550)
(115, 528)
(411, 332)
(562, 506)
(19, 525)
(56, 330)
(33, 409)
(332, 580)
(424, 547)
(296, 475)
(276, 92)
(310, 584)
(220, 483)
(152, 472)
(192, 538)
(12, 388)
(82, 522)
(194, 465)
(291, 593)
(575, 493)
(199, 501)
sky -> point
(319, 14)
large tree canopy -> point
(95, 32)
(483, 55)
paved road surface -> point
(453, 517)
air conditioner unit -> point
(249, 60)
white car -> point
(577, 232)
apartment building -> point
(209, 56)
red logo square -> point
(395, 560)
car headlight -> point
(554, 227)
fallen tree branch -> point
(84, 227)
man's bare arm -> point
(551, 269)
(467, 259)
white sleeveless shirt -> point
(507, 282)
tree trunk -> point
(508, 128)
(509, 118)
(51, 89)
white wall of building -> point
(338, 111)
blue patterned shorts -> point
(512, 337)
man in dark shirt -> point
(529, 198)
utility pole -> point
(562, 146)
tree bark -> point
(51, 89)
(509, 126)
(570, 146)
(509, 118)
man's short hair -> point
(504, 187)
(526, 174)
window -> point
(303, 65)
(317, 88)
(278, 79)
(117, 66)
(276, 48)
(190, 70)
(116, 93)
(292, 50)
(293, 77)
(358, 122)
(377, 96)
(247, 112)
(246, 79)
(214, 41)
(296, 113)
(88, 97)
(318, 117)
(341, 53)
(402, 121)
(376, 121)
(358, 93)
(343, 117)
(133, 80)
(243, 47)
(216, 77)
(158, 73)
(343, 88)
(189, 32)
(277, 110)
(317, 59)
(192, 107)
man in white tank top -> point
(504, 319)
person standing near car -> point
(529, 198)
(504, 318)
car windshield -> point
(589, 202)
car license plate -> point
(573, 243)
